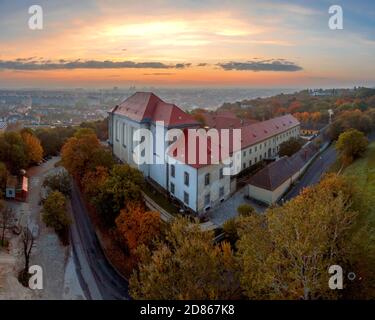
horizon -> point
(273, 44)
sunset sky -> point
(92, 43)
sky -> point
(187, 43)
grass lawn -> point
(364, 171)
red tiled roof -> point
(260, 131)
(146, 106)
(225, 120)
(250, 135)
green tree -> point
(13, 151)
(187, 265)
(123, 185)
(351, 145)
(54, 212)
(290, 147)
(59, 181)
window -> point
(250, 163)
(244, 153)
(132, 138)
(207, 199)
(221, 192)
(173, 170)
(260, 157)
(256, 159)
(244, 165)
(117, 130)
(172, 188)
(123, 135)
(256, 148)
(207, 179)
(186, 178)
(186, 197)
(265, 155)
(250, 151)
(221, 173)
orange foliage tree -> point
(78, 152)
(137, 226)
(93, 180)
(34, 150)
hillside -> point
(364, 171)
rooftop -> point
(147, 107)
(276, 173)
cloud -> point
(261, 65)
(203, 64)
(30, 64)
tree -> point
(285, 254)
(13, 151)
(290, 147)
(230, 230)
(138, 226)
(351, 144)
(124, 185)
(351, 119)
(33, 148)
(6, 219)
(3, 178)
(58, 182)
(93, 181)
(245, 210)
(54, 213)
(78, 152)
(28, 241)
(187, 265)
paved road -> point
(314, 172)
(99, 280)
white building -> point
(198, 186)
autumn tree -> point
(354, 119)
(78, 152)
(138, 226)
(54, 214)
(350, 145)
(290, 147)
(187, 265)
(124, 185)
(13, 151)
(33, 147)
(93, 181)
(285, 254)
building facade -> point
(199, 187)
